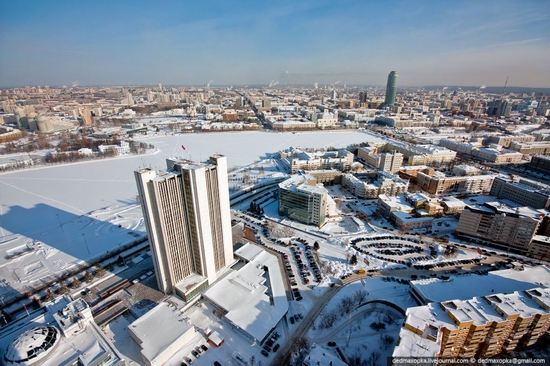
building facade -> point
(391, 89)
(301, 201)
(510, 228)
(391, 161)
(522, 191)
(480, 327)
(187, 215)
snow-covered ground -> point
(52, 218)
(353, 333)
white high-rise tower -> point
(187, 215)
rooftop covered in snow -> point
(254, 297)
(466, 287)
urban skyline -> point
(336, 213)
(260, 43)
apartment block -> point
(437, 182)
(385, 183)
(540, 163)
(506, 140)
(480, 327)
(414, 154)
(295, 160)
(511, 228)
(532, 147)
(522, 191)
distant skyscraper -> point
(391, 88)
(187, 216)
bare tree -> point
(359, 296)
(374, 358)
(388, 319)
(76, 283)
(347, 305)
(88, 277)
(63, 289)
(99, 270)
(356, 360)
(49, 295)
(386, 341)
(328, 318)
(270, 226)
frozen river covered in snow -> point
(34, 199)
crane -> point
(505, 83)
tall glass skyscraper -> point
(391, 88)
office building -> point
(391, 88)
(187, 215)
(302, 199)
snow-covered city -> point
(251, 183)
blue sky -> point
(294, 42)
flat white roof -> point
(248, 252)
(159, 328)
(244, 295)
(466, 287)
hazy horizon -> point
(300, 43)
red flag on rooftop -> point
(183, 147)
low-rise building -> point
(63, 333)
(176, 333)
(252, 301)
(385, 183)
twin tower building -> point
(187, 216)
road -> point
(284, 354)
